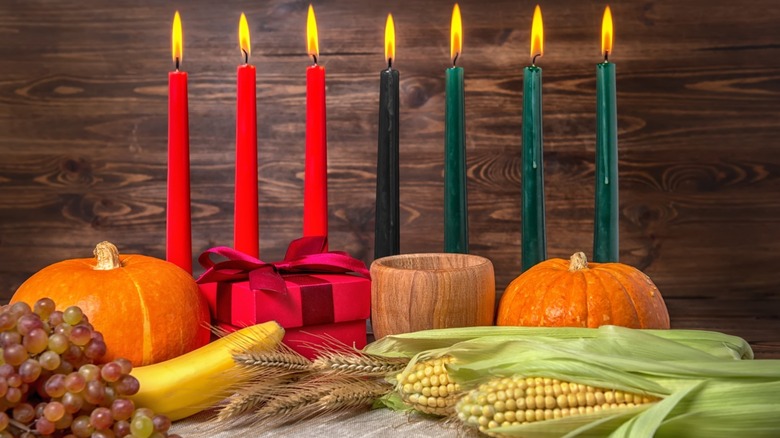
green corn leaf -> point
(712, 343)
(705, 390)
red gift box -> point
(309, 303)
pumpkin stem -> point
(107, 256)
(578, 261)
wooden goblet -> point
(412, 292)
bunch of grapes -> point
(51, 387)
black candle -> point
(387, 239)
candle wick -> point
(177, 63)
(455, 59)
(246, 56)
(606, 56)
(314, 57)
(533, 60)
(389, 63)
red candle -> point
(245, 230)
(178, 227)
(315, 182)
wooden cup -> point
(412, 292)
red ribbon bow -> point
(304, 255)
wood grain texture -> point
(83, 134)
(413, 292)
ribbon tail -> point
(267, 280)
(306, 245)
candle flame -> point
(389, 39)
(177, 46)
(243, 36)
(606, 33)
(311, 35)
(456, 34)
(537, 34)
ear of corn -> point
(426, 386)
(695, 380)
(517, 400)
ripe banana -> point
(197, 380)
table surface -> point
(761, 329)
(376, 423)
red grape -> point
(23, 413)
(55, 386)
(101, 418)
(30, 370)
(44, 426)
(15, 354)
(54, 411)
(122, 409)
(44, 307)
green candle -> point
(534, 235)
(605, 235)
(456, 221)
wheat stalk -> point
(319, 395)
(357, 363)
(262, 365)
(359, 394)
(284, 386)
(250, 398)
(273, 359)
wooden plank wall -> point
(83, 133)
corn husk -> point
(406, 345)
(704, 388)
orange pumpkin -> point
(573, 293)
(147, 309)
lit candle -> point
(178, 248)
(534, 236)
(605, 235)
(387, 239)
(245, 229)
(456, 220)
(315, 181)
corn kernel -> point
(590, 398)
(510, 416)
(502, 401)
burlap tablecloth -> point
(375, 423)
